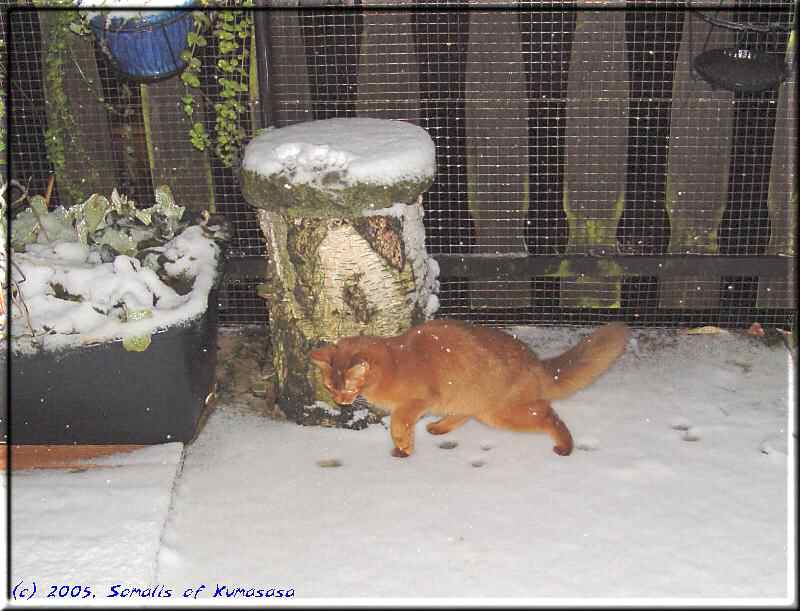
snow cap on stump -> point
(335, 167)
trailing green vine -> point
(60, 121)
(62, 131)
(233, 33)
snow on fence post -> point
(339, 202)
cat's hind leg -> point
(534, 416)
(446, 424)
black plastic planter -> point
(105, 394)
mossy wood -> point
(596, 145)
(698, 162)
(384, 72)
(172, 158)
(333, 198)
(71, 89)
(329, 278)
(780, 292)
(496, 115)
(253, 94)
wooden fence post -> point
(701, 132)
(596, 148)
(290, 88)
(388, 82)
(497, 149)
(174, 161)
(779, 292)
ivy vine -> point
(233, 33)
(62, 130)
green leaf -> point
(118, 240)
(190, 78)
(166, 206)
(58, 226)
(137, 343)
(24, 229)
(226, 47)
(200, 16)
(144, 216)
(198, 136)
(94, 211)
(80, 28)
(39, 205)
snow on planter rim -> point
(102, 286)
(377, 151)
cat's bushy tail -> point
(584, 363)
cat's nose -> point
(345, 398)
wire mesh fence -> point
(568, 133)
(559, 132)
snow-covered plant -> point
(14, 292)
(3, 257)
(105, 270)
(115, 223)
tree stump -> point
(339, 202)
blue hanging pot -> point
(146, 47)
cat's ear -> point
(322, 357)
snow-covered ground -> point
(679, 489)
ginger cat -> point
(460, 371)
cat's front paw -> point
(435, 428)
(398, 453)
